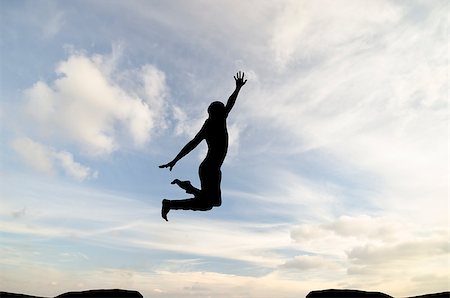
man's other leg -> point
(190, 204)
(187, 204)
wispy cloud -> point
(104, 218)
(309, 31)
(47, 160)
(47, 19)
(373, 102)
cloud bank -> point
(94, 109)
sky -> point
(336, 174)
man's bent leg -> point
(195, 204)
(190, 204)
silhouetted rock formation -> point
(346, 294)
(12, 295)
(333, 293)
(84, 294)
(436, 295)
(102, 294)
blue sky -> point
(336, 175)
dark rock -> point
(346, 294)
(363, 294)
(102, 294)
(436, 295)
(12, 295)
(84, 294)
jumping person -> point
(214, 131)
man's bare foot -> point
(182, 184)
(165, 209)
(176, 181)
(186, 185)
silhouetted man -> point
(214, 131)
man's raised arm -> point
(239, 78)
(187, 148)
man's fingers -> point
(240, 77)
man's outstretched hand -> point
(169, 165)
(239, 78)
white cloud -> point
(347, 231)
(408, 262)
(34, 154)
(48, 160)
(86, 106)
(309, 262)
(73, 168)
(155, 88)
(384, 239)
(360, 251)
(418, 250)
(362, 226)
(307, 232)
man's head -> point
(216, 110)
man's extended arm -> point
(186, 149)
(239, 78)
